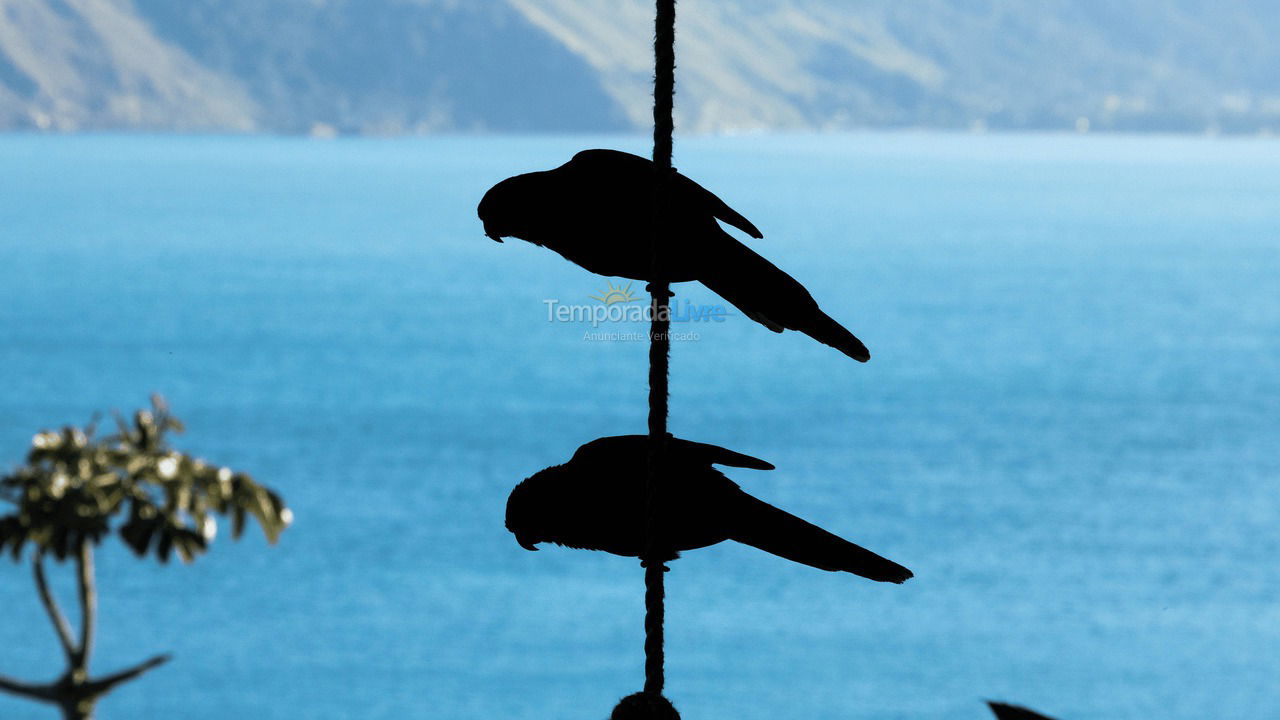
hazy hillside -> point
(392, 66)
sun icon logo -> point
(615, 294)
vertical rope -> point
(664, 81)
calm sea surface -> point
(1070, 428)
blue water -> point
(1068, 430)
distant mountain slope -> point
(394, 66)
(70, 64)
(361, 66)
(1125, 64)
(389, 66)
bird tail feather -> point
(763, 526)
(829, 332)
(1005, 711)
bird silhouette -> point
(1004, 711)
(597, 210)
(596, 501)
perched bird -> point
(1004, 711)
(597, 210)
(597, 501)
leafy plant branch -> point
(72, 492)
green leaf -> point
(137, 533)
(237, 521)
(11, 531)
(165, 545)
(184, 547)
(59, 542)
(15, 547)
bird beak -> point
(495, 238)
(531, 547)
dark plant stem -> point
(74, 692)
(27, 690)
(60, 625)
(88, 595)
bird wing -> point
(689, 194)
(704, 453)
(771, 297)
(614, 448)
(761, 525)
(693, 193)
(685, 453)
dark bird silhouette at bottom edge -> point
(1004, 711)
(596, 501)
